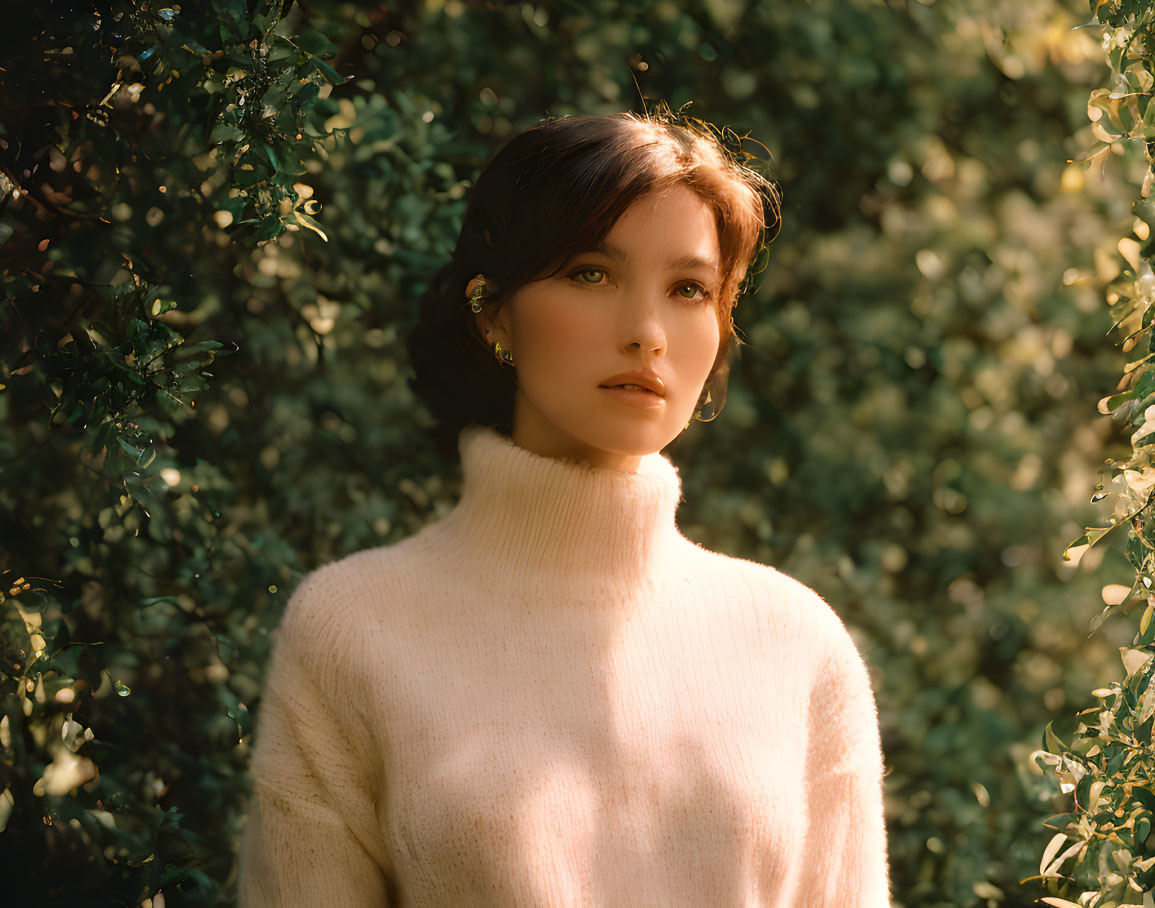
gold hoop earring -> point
(713, 412)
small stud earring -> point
(502, 356)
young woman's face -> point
(645, 303)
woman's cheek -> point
(564, 334)
(696, 346)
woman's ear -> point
(493, 324)
(495, 328)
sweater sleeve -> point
(312, 837)
(846, 847)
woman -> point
(550, 696)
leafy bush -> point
(139, 142)
(1103, 854)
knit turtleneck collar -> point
(541, 517)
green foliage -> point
(129, 138)
(906, 427)
(1102, 853)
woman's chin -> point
(633, 441)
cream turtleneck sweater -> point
(552, 697)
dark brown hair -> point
(556, 190)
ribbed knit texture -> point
(552, 697)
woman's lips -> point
(635, 398)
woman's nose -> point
(643, 327)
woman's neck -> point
(533, 432)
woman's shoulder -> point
(343, 594)
(781, 602)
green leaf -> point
(15, 644)
(1112, 403)
(226, 132)
(269, 228)
(1060, 820)
(331, 75)
(1144, 796)
(252, 176)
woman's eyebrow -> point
(685, 261)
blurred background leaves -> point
(208, 273)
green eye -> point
(694, 290)
(587, 271)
